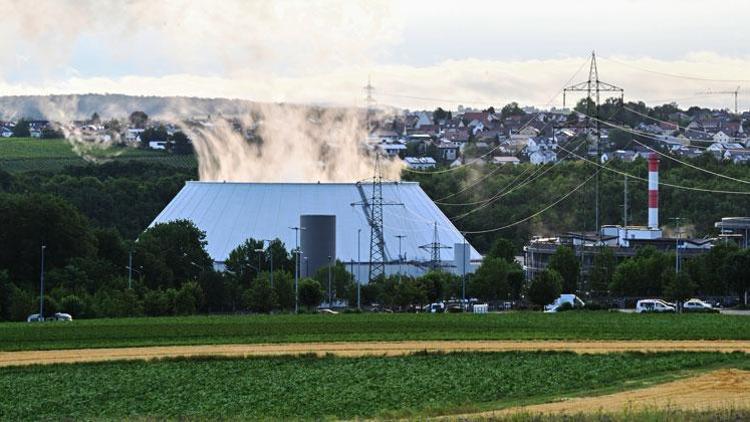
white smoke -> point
(289, 144)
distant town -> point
(427, 139)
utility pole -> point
(434, 249)
(593, 87)
(625, 206)
(677, 221)
(359, 265)
(41, 285)
(296, 267)
(400, 257)
(463, 273)
(373, 207)
(130, 269)
(370, 101)
(330, 293)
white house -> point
(722, 137)
(502, 160)
(542, 157)
(420, 163)
(392, 149)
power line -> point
(626, 129)
(562, 198)
(642, 179)
(674, 75)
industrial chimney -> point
(653, 191)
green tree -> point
(511, 109)
(436, 285)
(602, 270)
(310, 293)
(95, 119)
(138, 119)
(679, 287)
(737, 271)
(342, 281)
(545, 287)
(181, 143)
(283, 285)
(21, 129)
(171, 252)
(490, 281)
(32, 220)
(189, 298)
(642, 275)
(243, 260)
(153, 134)
(504, 249)
(261, 297)
(564, 261)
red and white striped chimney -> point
(653, 191)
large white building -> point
(230, 213)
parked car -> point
(433, 308)
(34, 318)
(62, 316)
(571, 300)
(697, 305)
(653, 305)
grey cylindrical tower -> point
(317, 242)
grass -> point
(30, 154)
(314, 388)
(370, 327)
(655, 415)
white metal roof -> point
(231, 212)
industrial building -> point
(340, 220)
(624, 241)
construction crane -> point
(736, 93)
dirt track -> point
(361, 349)
(722, 389)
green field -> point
(586, 325)
(30, 154)
(313, 388)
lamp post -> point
(296, 267)
(463, 273)
(41, 285)
(359, 264)
(400, 258)
(259, 251)
(330, 293)
(130, 269)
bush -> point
(188, 299)
(310, 293)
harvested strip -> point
(722, 389)
(394, 348)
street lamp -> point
(41, 286)
(359, 264)
(296, 267)
(330, 295)
(259, 251)
(400, 259)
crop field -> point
(30, 154)
(588, 325)
(311, 387)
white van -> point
(653, 305)
(571, 299)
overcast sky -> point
(419, 54)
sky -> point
(417, 54)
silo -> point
(317, 242)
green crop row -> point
(310, 387)
(588, 325)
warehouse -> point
(231, 212)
